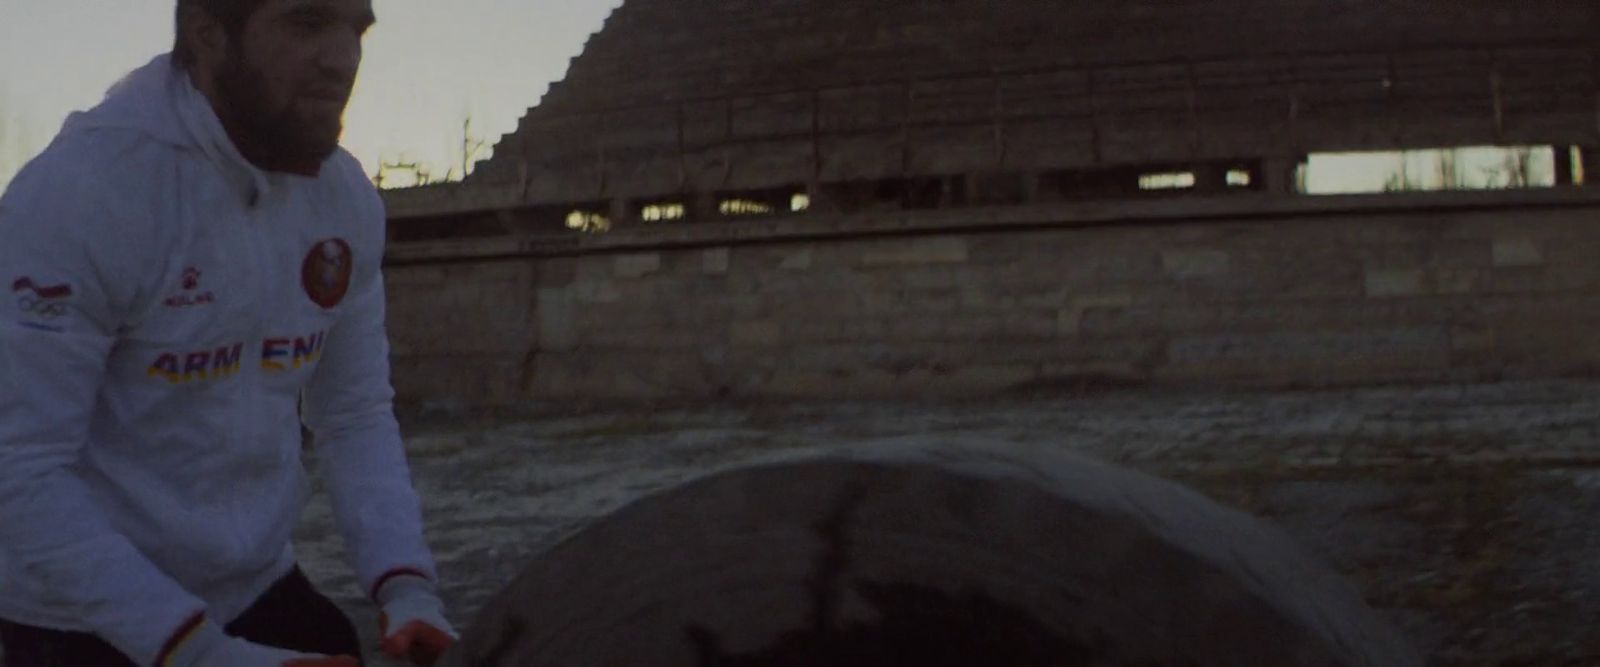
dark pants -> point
(291, 615)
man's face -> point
(288, 77)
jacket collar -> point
(198, 117)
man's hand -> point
(205, 645)
(412, 621)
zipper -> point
(256, 297)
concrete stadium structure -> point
(952, 197)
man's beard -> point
(275, 139)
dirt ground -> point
(1470, 515)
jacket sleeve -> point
(66, 284)
(348, 405)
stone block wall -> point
(1264, 291)
(459, 332)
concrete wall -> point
(1273, 291)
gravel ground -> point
(1468, 514)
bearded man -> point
(201, 261)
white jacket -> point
(165, 305)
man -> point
(189, 264)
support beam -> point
(1278, 174)
(1565, 166)
(703, 206)
(621, 212)
(1211, 178)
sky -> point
(429, 65)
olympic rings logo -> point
(45, 308)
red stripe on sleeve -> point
(378, 585)
(184, 632)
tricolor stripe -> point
(53, 292)
(185, 632)
(378, 585)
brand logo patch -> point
(46, 302)
(326, 272)
(190, 282)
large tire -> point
(928, 553)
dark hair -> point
(232, 14)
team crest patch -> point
(326, 272)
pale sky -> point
(429, 63)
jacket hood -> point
(160, 101)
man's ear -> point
(206, 36)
